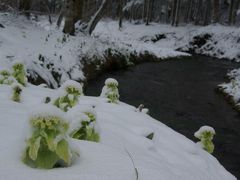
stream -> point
(181, 94)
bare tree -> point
(177, 14)
(236, 6)
(69, 26)
(230, 13)
(173, 12)
(25, 5)
(120, 13)
(216, 9)
(97, 17)
(148, 11)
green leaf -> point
(33, 148)
(49, 137)
(46, 159)
(62, 151)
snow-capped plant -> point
(205, 135)
(19, 73)
(110, 90)
(69, 95)
(142, 109)
(6, 78)
(16, 92)
(48, 145)
(83, 126)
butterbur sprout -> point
(48, 145)
(110, 91)
(83, 126)
(205, 134)
(70, 93)
(6, 78)
(19, 73)
(16, 92)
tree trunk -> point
(120, 13)
(72, 13)
(207, 13)
(173, 14)
(189, 11)
(177, 14)
(216, 9)
(230, 13)
(48, 10)
(97, 17)
(199, 12)
(236, 6)
(60, 17)
(148, 12)
(69, 26)
(25, 5)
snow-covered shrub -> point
(205, 135)
(6, 78)
(16, 92)
(84, 125)
(69, 94)
(48, 145)
(110, 90)
(19, 73)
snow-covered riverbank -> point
(122, 148)
(232, 88)
(56, 57)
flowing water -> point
(181, 94)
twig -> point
(130, 156)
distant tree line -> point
(89, 12)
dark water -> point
(180, 93)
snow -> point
(71, 83)
(55, 57)
(46, 110)
(223, 43)
(203, 129)
(110, 81)
(122, 148)
(232, 88)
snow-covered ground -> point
(221, 41)
(56, 57)
(232, 88)
(122, 148)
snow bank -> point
(123, 146)
(55, 57)
(232, 88)
(163, 40)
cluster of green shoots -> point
(205, 134)
(6, 78)
(19, 73)
(48, 146)
(17, 78)
(86, 131)
(16, 92)
(110, 91)
(70, 96)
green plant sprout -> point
(19, 73)
(85, 129)
(110, 91)
(48, 146)
(16, 92)
(71, 93)
(205, 135)
(6, 78)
